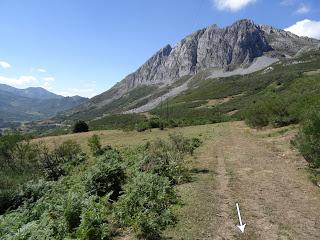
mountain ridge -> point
(208, 49)
(33, 103)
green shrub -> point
(31, 192)
(141, 126)
(94, 222)
(68, 150)
(18, 153)
(308, 139)
(8, 146)
(72, 211)
(257, 115)
(54, 163)
(184, 145)
(154, 122)
(161, 159)
(146, 205)
(80, 126)
(52, 166)
(19, 163)
(106, 176)
(95, 146)
(272, 109)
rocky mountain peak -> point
(237, 46)
(211, 47)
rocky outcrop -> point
(287, 43)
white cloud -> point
(307, 28)
(303, 9)
(287, 2)
(18, 81)
(48, 79)
(232, 5)
(4, 64)
(42, 70)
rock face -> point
(212, 48)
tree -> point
(80, 126)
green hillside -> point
(280, 95)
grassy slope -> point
(285, 80)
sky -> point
(83, 47)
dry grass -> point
(118, 138)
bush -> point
(31, 192)
(72, 211)
(106, 176)
(257, 115)
(184, 145)
(94, 223)
(80, 126)
(8, 146)
(68, 150)
(146, 205)
(163, 160)
(95, 146)
(18, 153)
(272, 110)
(52, 166)
(54, 163)
(154, 122)
(142, 126)
(308, 139)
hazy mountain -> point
(31, 92)
(241, 48)
(32, 103)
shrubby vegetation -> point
(95, 146)
(146, 205)
(80, 199)
(308, 139)
(272, 109)
(80, 126)
(106, 176)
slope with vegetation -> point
(59, 192)
(279, 95)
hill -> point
(212, 52)
(29, 104)
(31, 92)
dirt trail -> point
(277, 200)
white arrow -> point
(241, 226)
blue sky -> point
(85, 46)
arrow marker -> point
(241, 226)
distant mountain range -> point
(212, 52)
(34, 103)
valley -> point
(227, 116)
